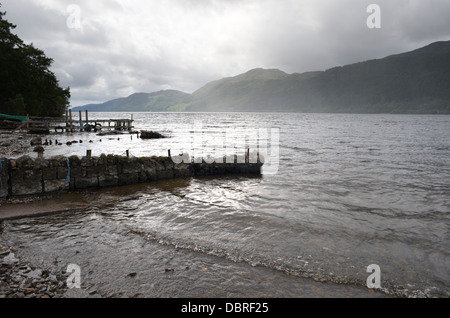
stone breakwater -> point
(32, 176)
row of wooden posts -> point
(246, 160)
(127, 154)
(118, 124)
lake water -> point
(343, 192)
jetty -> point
(67, 123)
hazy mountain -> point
(412, 82)
(256, 90)
(140, 102)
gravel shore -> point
(14, 145)
(20, 280)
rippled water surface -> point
(349, 191)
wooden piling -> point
(70, 120)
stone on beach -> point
(148, 134)
(4, 250)
(36, 141)
(38, 149)
(10, 259)
(20, 280)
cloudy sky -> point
(105, 49)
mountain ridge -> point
(410, 82)
(156, 101)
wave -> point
(308, 268)
(302, 149)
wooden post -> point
(257, 154)
(80, 119)
(128, 154)
(70, 119)
(170, 154)
(247, 155)
(88, 153)
(87, 119)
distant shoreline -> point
(254, 112)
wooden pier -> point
(68, 123)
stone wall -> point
(29, 176)
(3, 177)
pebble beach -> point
(19, 279)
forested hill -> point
(412, 82)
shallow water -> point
(346, 191)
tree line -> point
(27, 86)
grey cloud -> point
(147, 45)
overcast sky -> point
(104, 49)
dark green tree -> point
(27, 86)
